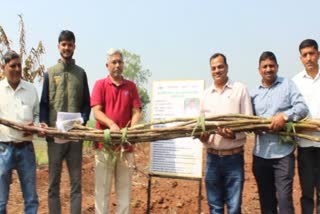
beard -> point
(67, 56)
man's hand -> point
(278, 122)
(226, 133)
(114, 127)
(42, 133)
(204, 137)
(26, 133)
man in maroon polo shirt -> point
(116, 104)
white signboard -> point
(182, 156)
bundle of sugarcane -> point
(175, 128)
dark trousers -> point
(309, 173)
(72, 153)
(274, 178)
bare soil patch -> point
(168, 195)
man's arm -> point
(136, 106)
(85, 109)
(296, 112)
(299, 108)
(136, 114)
(103, 119)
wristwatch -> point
(285, 117)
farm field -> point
(169, 196)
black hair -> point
(10, 55)
(268, 55)
(66, 35)
(308, 43)
(217, 55)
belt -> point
(225, 152)
(16, 144)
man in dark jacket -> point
(65, 89)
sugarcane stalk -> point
(184, 128)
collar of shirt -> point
(229, 84)
(66, 66)
(70, 62)
(109, 81)
(5, 83)
(306, 75)
(278, 80)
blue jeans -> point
(23, 160)
(224, 182)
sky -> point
(174, 38)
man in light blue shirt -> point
(273, 161)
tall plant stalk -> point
(32, 66)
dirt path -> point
(168, 195)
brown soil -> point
(168, 195)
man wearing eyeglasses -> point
(116, 104)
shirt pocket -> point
(26, 113)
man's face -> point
(115, 66)
(219, 70)
(12, 71)
(66, 49)
(268, 70)
(309, 57)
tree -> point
(32, 64)
(133, 71)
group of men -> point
(115, 103)
(281, 99)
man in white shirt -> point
(18, 102)
(308, 82)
